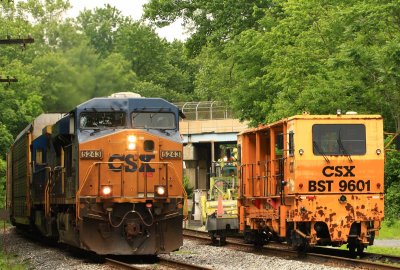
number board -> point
(91, 154)
(171, 154)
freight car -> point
(105, 177)
(313, 180)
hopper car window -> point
(339, 139)
(90, 120)
(155, 120)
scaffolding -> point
(205, 110)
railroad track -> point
(160, 263)
(319, 255)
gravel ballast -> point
(45, 257)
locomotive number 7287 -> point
(344, 185)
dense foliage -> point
(73, 59)
(267, 58)
(275, 58)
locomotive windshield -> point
(94, 120)
(339, 139)
(155, 120)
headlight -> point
(131, 138)
(131, 146)
(106, 191)
(161, 191)
(131, 142)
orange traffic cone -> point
(220, 209)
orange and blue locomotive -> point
(105, 177)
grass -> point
(8, 263)
(384, 250)
(390, 230)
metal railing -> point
(271, 182)
(205, 110)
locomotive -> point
(310, 180)
(313, 180)
(105, 177)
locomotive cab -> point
(323, 185)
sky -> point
(132, 8)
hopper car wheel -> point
(262, 237)
(298, 243)
(360, 250)
(218, 239)
(356, 248)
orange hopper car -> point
(313, 180)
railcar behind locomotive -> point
(313, 180)
(105, 177)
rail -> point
(324, 255)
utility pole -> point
(23, 41)
(8, 79)
(11, 41)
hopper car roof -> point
(311, 117)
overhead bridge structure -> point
(209, 133)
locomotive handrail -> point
(47, 192)
(185, 209)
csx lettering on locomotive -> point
(131, 164)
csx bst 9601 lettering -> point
(94, 179)
(313, 180)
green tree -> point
(101, 26)
(211, 21)
(153, 59)
(76, 75)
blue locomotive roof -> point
(129, 105)
(126, 104)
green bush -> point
(188, 188)
(392, 183)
